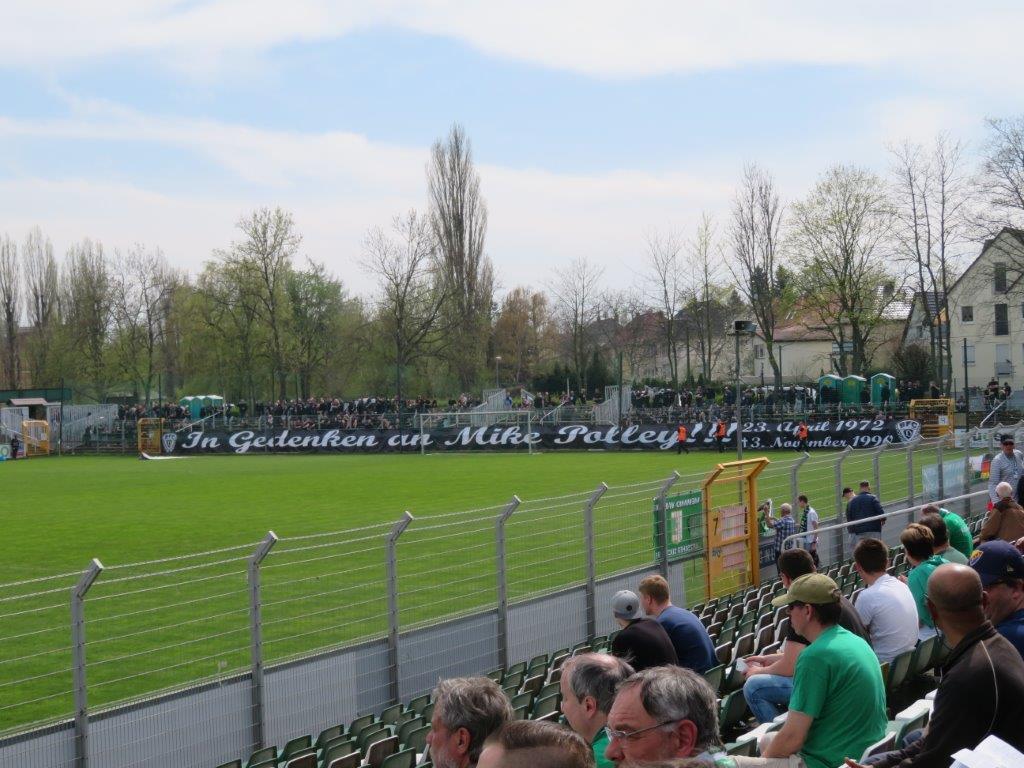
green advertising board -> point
(685, 513)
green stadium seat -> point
(546, 705)
(296, 745)
(351, 760)
(391, 714)
(417, 739)
(408, 727)
(260, 756)
(359, 724)
(420, 703)
(377, 751)
(404, 759)
(327, 734)
(339, 748)
(303, 759)
(370, 735)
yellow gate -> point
(37, 437)
(150, 433)
(731, 533)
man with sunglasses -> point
(1001, 568)
(838, 704)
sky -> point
(593, 124)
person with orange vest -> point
(681, 440)
(720, 435)
(801, 436)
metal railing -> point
(195, 659)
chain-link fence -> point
(192, 661)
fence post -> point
(663, 523)
(588, 535)
(499, 533)
(89, 575)
(256, 635)
(939, 469)
(910, 471)
(876, 469)
(839, 480)
(392, 568)
(794, 486)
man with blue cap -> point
(1001, 568)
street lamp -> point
(740, 328)
(497, 359)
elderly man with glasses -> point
(663, 713)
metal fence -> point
(196, 660)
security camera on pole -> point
(740, 328)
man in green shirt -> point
(959, 534)
(940, 533)
(837, 709)
(919, 545)
(588, 686)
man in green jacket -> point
(960, 537)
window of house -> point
(1004, 365)
(967, 314)
(969, 353)
(1000, 278)
(1002, 320)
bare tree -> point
(318, 305)
(87, 301)
(665, 281)
(999, 186)
(577, 297)
(411, 292)
(842, 237)
(263, 257)
(757, 256)
(932, 196)
(10, 307)
(42, 286)
(705, 262)
(141, 291)
(458, 216)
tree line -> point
(260, 323)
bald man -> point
(982, 687)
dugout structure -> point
(36, 436)
(150, 434)
(731, 533)
(935, 416)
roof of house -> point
(1016, 234)
(24, 402)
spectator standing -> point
(720, 430)
(784, 527)
(1006, 519)
(864, 505)
(663, 714)
(801, 436)
(1000, 566)
(959, 534)
(535, 744)
(981, 689)
(588, 686)
(689, 637)
(918, 546)
(1007, 467)
(886, 605)
(681, 439)
(642, 642)
(769, 682)
(467, 710)
(838, 704)
(809, 525)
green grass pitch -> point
(153, 632)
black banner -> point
(757, 435)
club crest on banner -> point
(908, 430)
(169, 440)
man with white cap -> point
(642, 642)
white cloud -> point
(338, 185)
(939, 41)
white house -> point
(986, 307)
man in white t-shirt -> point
(886, 605)
(809, 525)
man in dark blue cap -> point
(1001, 568)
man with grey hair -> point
(1006, 467)
(588, 686)
(466, 711)
(663, 713)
